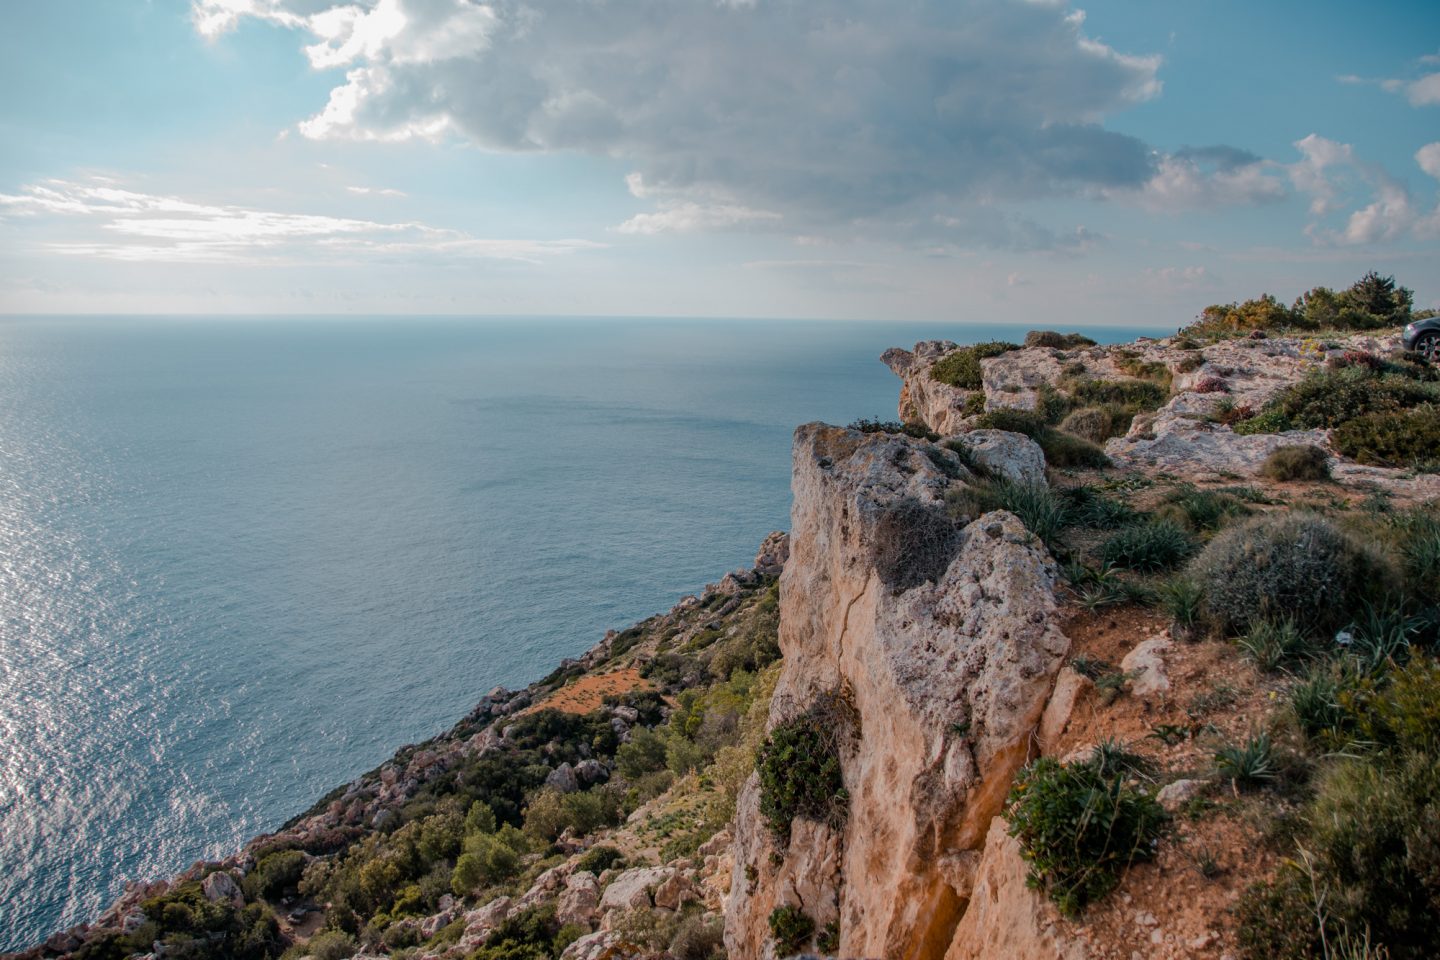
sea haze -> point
(243, 560)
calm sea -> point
(243, 560)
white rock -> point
(1012, 456)
(1145, 667)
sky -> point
(1028, 161)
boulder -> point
(220, 887)
(632, 889)
(1145, 667)
(1175, 795)
(1013, 456)
(580, 901)
(562, 778)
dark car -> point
(1423, 336)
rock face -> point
(947, 673)
(1013, 456)
(1006, 918)
(939, 405)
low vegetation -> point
(799, 767)
(961, 368)
(1081, 824)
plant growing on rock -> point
(792, 929)
(1296, 565)
(961, 368)
(799, 766)
(1301, 461)
(1407, 438)
(914, 542)
(1056, 340)
(1080, 825)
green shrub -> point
(1273, 644)
(1199, 510)
(551, 813)
(1131, 396)
(1043, 513)
(1301, 461)
(645, 753)
(488, 859)
(1369, 866)
(331, 945)
(698, 938)
(1028, 422)
(599, 859)
(530, 934)
(917, 430)
(961, 368)
(1401, 712)
(1329, 398)
(1159, 545)
(1407, 438)
(1067, 450)
(1315, 702)
(274, 874)
(1266, 421)
(914, 543)
(1247, 764)
(799, 767)
(1079, 825)
(1085, 506)
(1232, 319)
(1182, 598)
(792, 929)
(1294, 565)
(1096, 424)
(1057, 341)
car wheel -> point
(1428, 346)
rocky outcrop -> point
(923, 398)
(1005, 917)
(947, 668)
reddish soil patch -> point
(589, 692)
(1180, 904)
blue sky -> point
(1025, 160)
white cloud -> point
(1207, 178)
(119, 224)
(1384, 209)
(1424, 92)
(1428, 159)
(810, 113)
(377, 191)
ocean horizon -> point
(242, 560)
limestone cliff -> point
(948, 669)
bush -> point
(1079, 825)
(1096, 424)
(1250, 763)
(698, 938)
(488, 859)
(1043, 513)
(961, 368)
(599, 859)
(1028, 422)
(551, 813)
(1232, 319)
(1329, 398)
(1272, 644)
(917, 430)
(1067, 450)
(1154, 546)
(273, 875)
(331, 945)
(1131, 396)
(1409, 438)
(1301, 461)
(1294, 565)
(1370, 866)
(1402, 714)
(799, 767)
(914, 543)
(1057, 341)
(1199, 510)
(792, 929)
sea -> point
(243, 559)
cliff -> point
(1097, 654)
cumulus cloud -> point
(1384, 209)
(110, 222)
(1205, 178)
(795, 114)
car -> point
(1423, 336)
